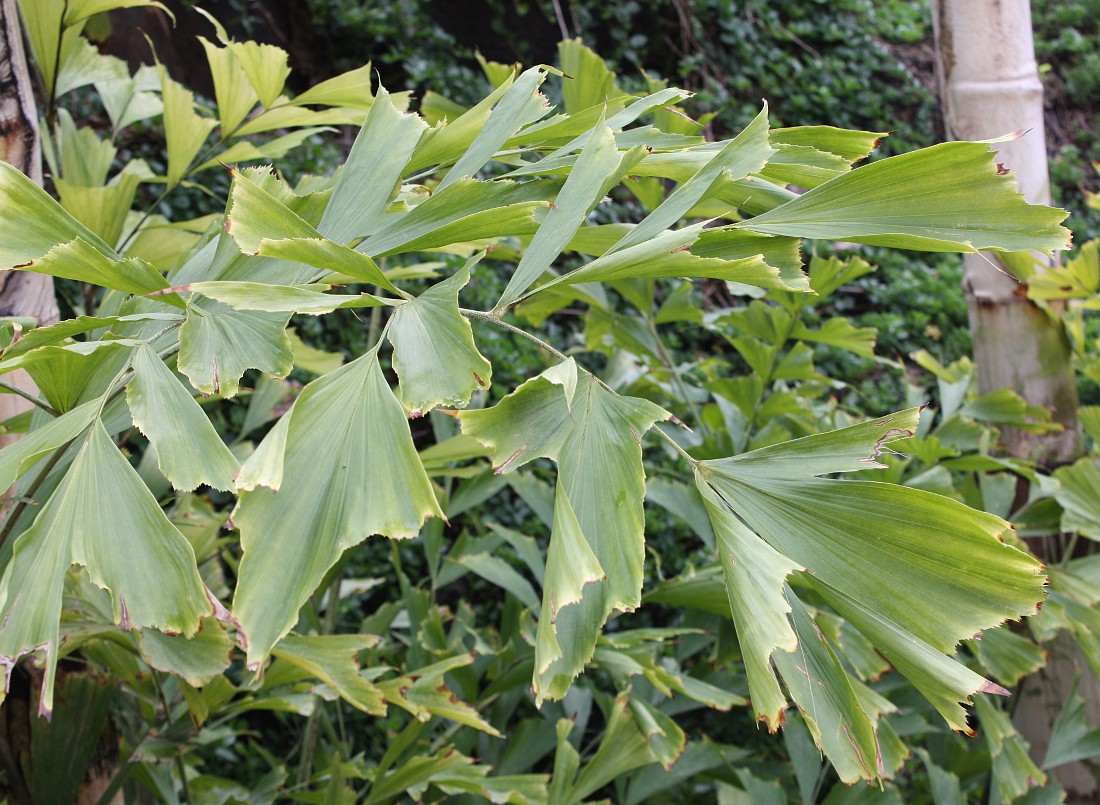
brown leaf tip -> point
(993, 687)
(502, 468)
(773, 726)
(124, 619)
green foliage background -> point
(820, 62)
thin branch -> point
(36, 401)
(499, 322)
(494, 320)
(561, 20)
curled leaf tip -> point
(772, 725)
(220, 612)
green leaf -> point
(1072, 739)
(503, 788)
(514, 220)
(415, 774)
(75, 373)
(756, 576)
(865, 541)
(1079, 278)
(264, 225)
(102, 209)
(945, 198)
(466, 210)
(495, 72)
(496, 571)
(433, 349)
(197, 659)
(566, 763)
(594, 436)
(266, 67)
(839, 332)
(624, 747)
(1006, 407)
(80, 260)
(1014, 773)
(234, 94)
(334, 659)
(1078, 493)
(373, 169)
(733, 244)
(189, 451)
(22, 454)
(583, 188)
(530, 422)
(570, 565)
(580, 126)
(944, 785)
(824, 693)
(589, 82)
(218, 344)
(85, 158)
(245, 151)
(746, 153)
(670, 255)
(853, 146)
(1008, 656)
(265, 466)
(32, 223)
(313, 360)
(352, 88)
(293, 117)
(130, 98)
(828, 274)
(424, 694)
(129, 549)
(685, 503)
(185, 130)
(65, 745)
(665, 737)
(80, 10)
(349, 470)
(42, 21)
(310, 299)
(521, 103)
(941, 679)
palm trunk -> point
(22, 293)
(990, 87)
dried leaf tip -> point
(993, 687)
(124, 619)
(502, 468)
